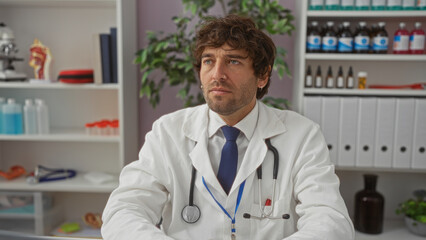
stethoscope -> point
(44, 174)
(191, 212)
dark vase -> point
(369, 206)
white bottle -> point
(2, 102)
(42, 117)
(30, 117)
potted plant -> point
(415, 213)
(167, 59)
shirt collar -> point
(246, 125)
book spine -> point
(106, 57)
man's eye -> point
(207, 61)
(234, 62)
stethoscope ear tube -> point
(191, 213)
(276, 157)
(191, 189)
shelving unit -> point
(396, 184)
(67, 28)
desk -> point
(392, 230)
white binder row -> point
(382, 132)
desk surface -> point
(392, 230)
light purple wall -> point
(155, 15)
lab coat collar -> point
(195, 128)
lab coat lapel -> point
(268, 125)
(195, 128)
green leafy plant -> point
(414, 208)
(167, 59)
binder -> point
(312, 108)
(106, 57)
(404, 131)
(330, 124)
(114, 55)
(347, 131)
(366, 132)
(419, 143)
(385, 131)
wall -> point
(155, 17)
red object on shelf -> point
(410, 86)
(14, 172)
(76, 76)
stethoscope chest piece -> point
(191, 214)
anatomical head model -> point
(40, 59)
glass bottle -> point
(308, 78)
(369, 206)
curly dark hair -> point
(239, 33)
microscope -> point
(7, 56)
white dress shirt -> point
(217, 139)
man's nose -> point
(219, 73)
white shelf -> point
(369, 14)
(57, 85)
(364, 92)
(62, 135)
(380, 169)
(366, 57)
(392, 230)
(58, 3)
(76, 184)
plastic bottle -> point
(362, 80)
(381, 40)
(12, 117)
(394, 5)
(308, 78)
(42, 117)
(362, 5)
(329, 39)
(347, 5)
(401, 40)
(313, 40)
(332, 4)
(421, 5)
(408, 5)
(350, 82)
(329, 80)
(417, 39)
(2, 102)
(340, 81)
(378, 5)
(316, 4)
(30, 117)
(361, 39)
(318, 78)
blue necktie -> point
(229, 158)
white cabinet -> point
(396, 181)
(67, 28)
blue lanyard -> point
(240, 194)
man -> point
(234, 61)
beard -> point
(230, 103)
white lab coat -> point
(158, 184)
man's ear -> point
(263, 80)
